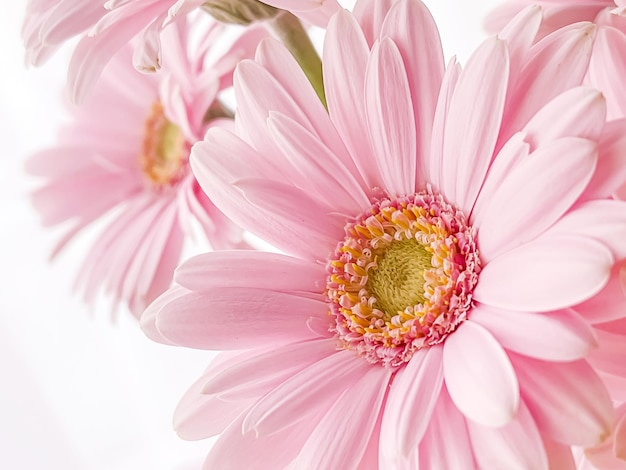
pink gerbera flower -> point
(441, 229)
(126, 154)
(106, 26)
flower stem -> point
(293, 35)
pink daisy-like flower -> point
(446, 232)
(126, 155)
(107, 26)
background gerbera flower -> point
(125, 156)
(107, 26)
(438, 231)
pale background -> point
(76, 390)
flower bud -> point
(239, 11)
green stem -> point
(293, 35)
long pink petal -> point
(371, 14)
(470, 136)
(610, 353)
(446, 443)
(235, 318)
(512, 153)
(567, 400)
(609, 304)
(559, 455)
(279, 62)
(412, 398)
(341, 437)
(390, 118)
(546, 274)
(262, 368)
(199, 416)
(606, 65)
(554, 336)
(217, 172)
(520, 34)
(434, 169)
(610, 174)
(409, 23)
(516, 446)
(344, 65)
(312, 391)
(245, 268)
(322, 171)
(479, 376)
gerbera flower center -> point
(164, 151)
(402, 278)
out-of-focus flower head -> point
(125, 157)
(451, 255)
(107, 26)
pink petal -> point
(479, 376)
(345, 61)
(236, 450)
(609, 304)
(510, 218)
(280, 63)
(520, 34)
(606, 65)
(512, 153)
(199, 416)
(433, 165)
(470, 137)
(242, 268)
(371, 14)
(555, 64)
(217, 172)
(409, 23)
(446, 443)
(275, 365)
(602, 220)
(312, 391)
(390, 118)
(567, 400)
(518, 445)
(149, 317)
(322, 171)
(253, 108)
(292, 210)
(235, 318)
(555, 336)
(610, 173)
(549, 273)
(578, 112)
(412, 398)
(341, 437)
(559, 456)
(610, 354)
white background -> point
(78, 391)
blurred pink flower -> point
(446, 234)
(105, 26)
(125, 156)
